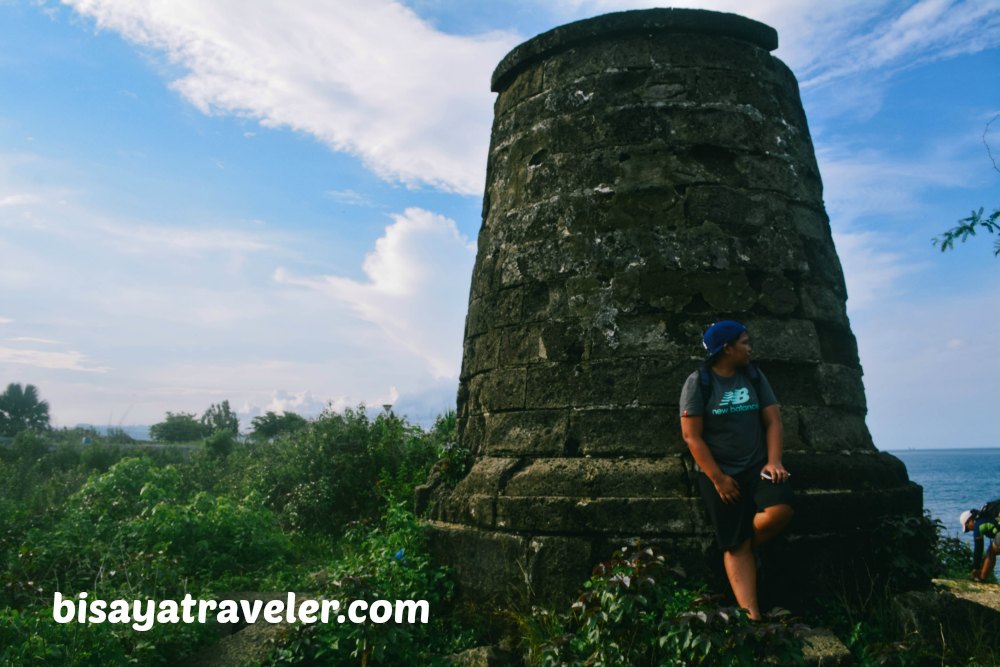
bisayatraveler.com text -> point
(143, 614)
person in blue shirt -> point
(984, 527)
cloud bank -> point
(369, 78)
(417, 288)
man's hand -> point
(728, 489)
(776, 471)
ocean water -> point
(954, 480)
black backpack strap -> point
(754, 376)
(705, 381)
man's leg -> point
(990, 561)
(742, 572)
(771, 522)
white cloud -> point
(826, 41)
(872, 272)
(18, 200)
(349, 197)
(926, 31)
(417, 288)
(367, 77)
(71, 360)
(135, 237)
(301, 403)
(31, 339)
(6, 320)
(859, 183)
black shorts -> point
(734, 523)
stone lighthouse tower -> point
(650, 172)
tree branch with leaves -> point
(967, 226)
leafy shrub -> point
(180, 427)
(220, 444)
(132, 527)
(634, 611)
(905, 551)
(388, 561)
(341, 468)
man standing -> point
(731, 422)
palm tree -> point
(21, 410)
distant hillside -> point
(137, 431)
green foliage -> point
(220, 444)
(220, 417)
(180, 427)
(387, 561)
(869, 625)
(967, 228)
(905, 551)
(133, 527)
(91, 518)
(270, 425)
(635, 611)
(22, 410)
(341, 468)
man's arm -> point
(725, 486)
(774, 434)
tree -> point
(22, 410)
(180, 427)
(271, 425)
(220, 417)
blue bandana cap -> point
(721, 333)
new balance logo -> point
(737, 397)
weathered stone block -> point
(832, 511)
(784, 340)
(601, 383)
(841, 386)
(778, 295)
(630, 516)
(594, 477)
(480, 354)
(500, 389)
(823, 304)
(488, 476)
(556, 566)
(635, 432)
(528, 84)
(834, 429)
(484, 562)
(870, 471)
(725, 291)
(526, 433)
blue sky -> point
(277, 203)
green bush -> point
(92, 518)
(220, 444)
(387, 561)
(343, 467)
(132, 527)
(635, 611)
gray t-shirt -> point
(732, 426)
